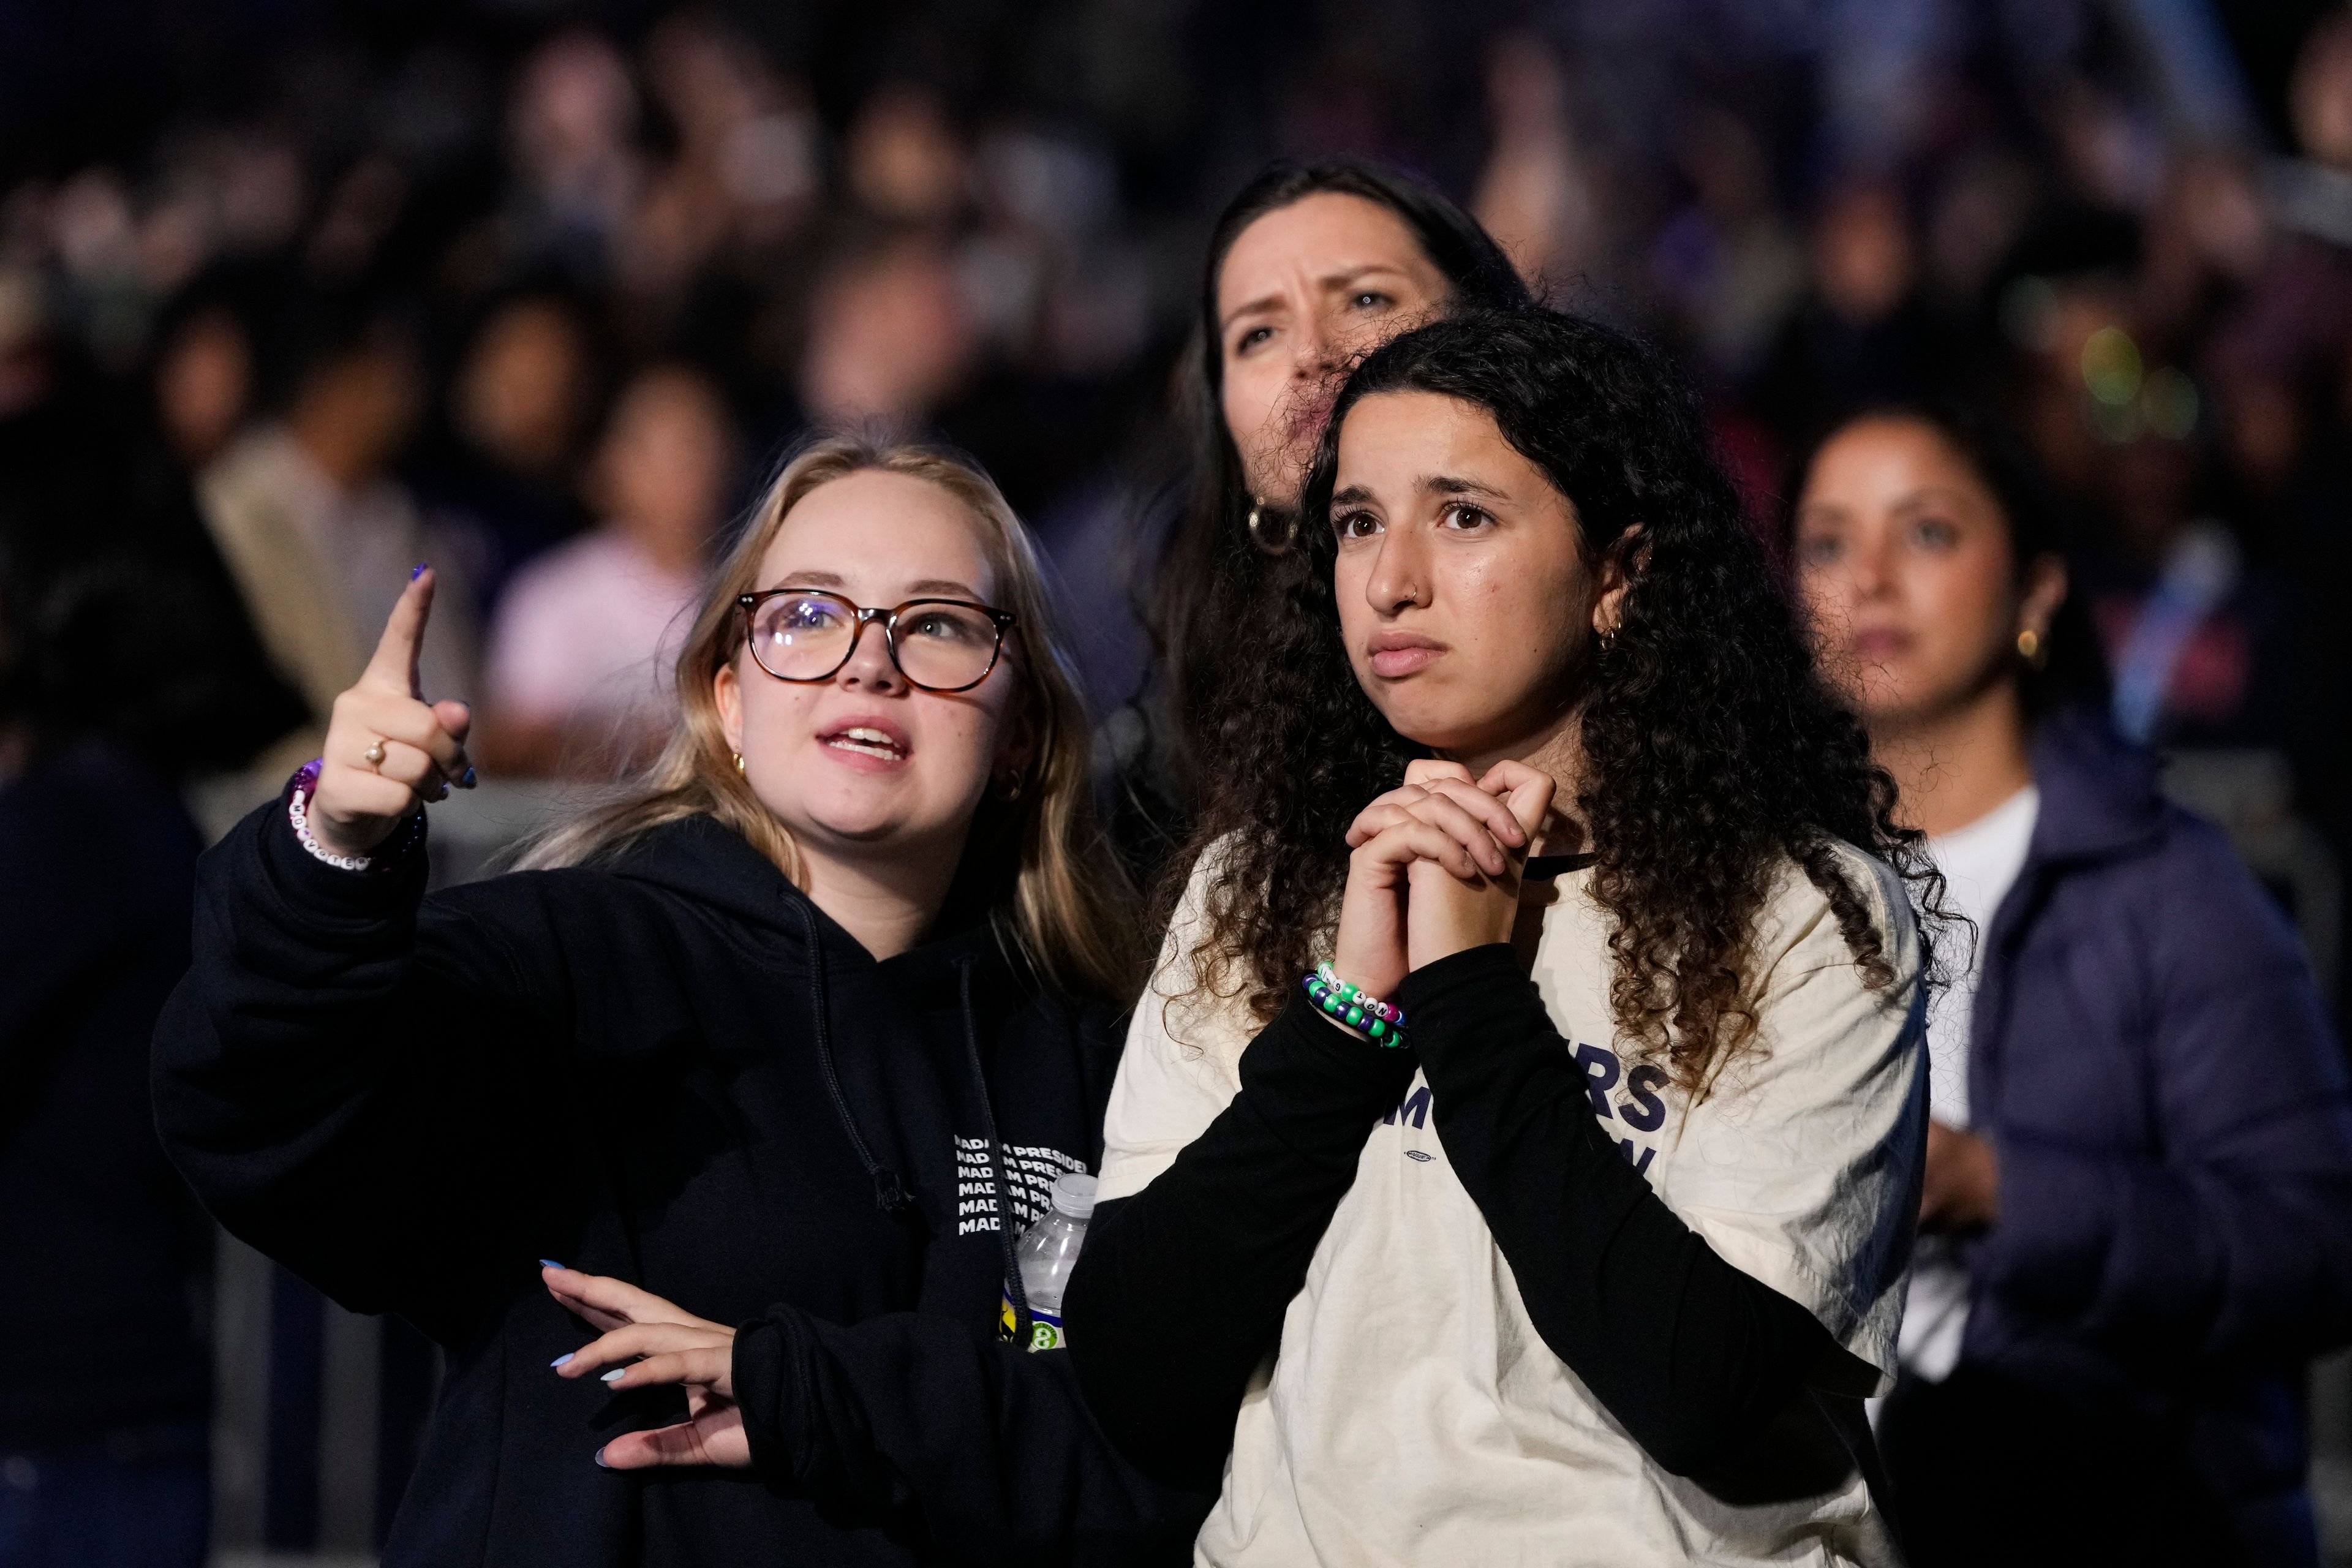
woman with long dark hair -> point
(1591, 1254)
(1309, 267)
(2137, 1216)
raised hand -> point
(388, 751)
(1446, 910)
(1439, 816)
(650, 1342)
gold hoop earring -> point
(1008, 787)
(739, 763)
(1264, 538)
(2029, 644)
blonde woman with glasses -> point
(799, 1030)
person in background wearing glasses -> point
(799, 1029)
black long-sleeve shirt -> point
(1692, 1356)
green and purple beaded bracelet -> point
(1354, 1009)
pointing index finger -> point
(393, 665)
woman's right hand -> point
(1439, 815)
(358, 803)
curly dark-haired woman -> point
(1599, 1266)
(1308, 267)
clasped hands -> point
(1436, 868)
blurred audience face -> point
(1863, 257)
(355, 408)
(862, 765)
(1303, 292)
(203, 383)
(519, 392)
(24, 343)
(573, 108)
(2320, 97)
(1904, 567)
(905, 162)
(890, 338)
(661, 471)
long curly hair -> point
(1712, 750)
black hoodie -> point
(640, 1071)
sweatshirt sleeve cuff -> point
(314, 888)
(770, 1380)
(1301, 1039)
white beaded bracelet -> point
(298, 812)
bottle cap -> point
(1073, 1194)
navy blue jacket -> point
(674, 1069)
(2169, 1103)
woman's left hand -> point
(651, 1342)
(1445, 914)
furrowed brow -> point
(1337, 280)
(1255, 307)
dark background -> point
(2126, 222)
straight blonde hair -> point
(1071, 909)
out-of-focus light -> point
(2029, 314)
(2111, 366)
(2120, 425)
(2170, 403)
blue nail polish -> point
(600, 1460)
(466, 781)
(559, 1361)
(548, 1263)
(614, 1375)
(418, 570)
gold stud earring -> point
(738, 761)
(2029, 644)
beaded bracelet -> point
(1354, 1016)
(1360, 998)
(299, 791)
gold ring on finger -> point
(376, 754)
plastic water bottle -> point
(1046, 1254)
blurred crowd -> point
(539, 301)
(540, 294)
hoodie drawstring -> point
(889, 1193)
(999, 1172)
